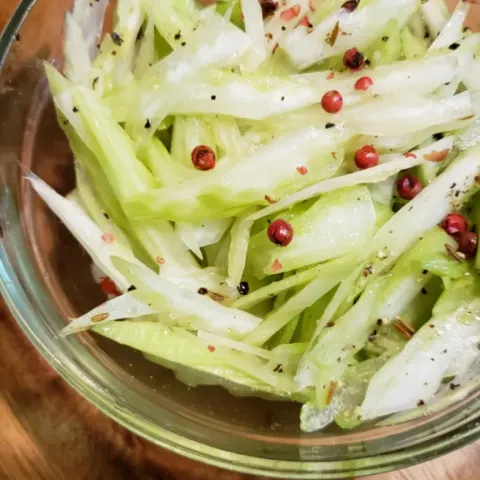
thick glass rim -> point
(411, 443)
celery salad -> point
(281, 197)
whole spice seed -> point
(243, 288)
(302, 170)
(350, 5)
(468, 243)
(108, 287)
(366, 157)
(268, 7)
(454, 224)
(363, 83)
(280, 232)
(203, 158)
(353, 59)
(408, 187)
(332, 101)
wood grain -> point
(48, 432)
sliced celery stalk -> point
(361, 28)
(388, 48)
(422, 213)
(184, 348)
(190, 309)
(328, 277)
(158, 160)
(114, 63)
(255, 29)
(266, 175)
(435, 14)
(125, 306)
(411, 114)
(338, 223)
(77, 57)
(215, 43)
(412, 46)
(248, 96)
(409, 275)
(286, 17)
(437, 350)
(452, 32)
(188, 133)
(99, 245)
(175, 20)
(90, 17)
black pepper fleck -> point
(454, 46)
(329, 125)
(131, 288)
(202, 291)
(148, 124)
(438, 136)
(243, 288)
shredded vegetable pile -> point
(281, 197)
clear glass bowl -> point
(45, 278)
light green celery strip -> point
(331, 274)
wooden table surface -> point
(48, 432)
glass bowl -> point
(45, 278)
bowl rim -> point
(16, 296)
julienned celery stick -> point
(186, 348)
(362, 294)
(338, 223)
(193, 311)
(439, 349)
(261, 178)
(361, 28)
(406, 279)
